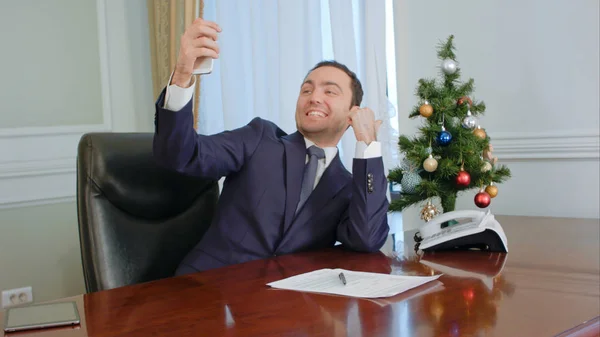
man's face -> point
(323, 105)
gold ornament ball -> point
(492, 190)
(430, 164)
(429, 212)
(486, 166)
(479, 132)
(426, 110)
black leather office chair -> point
(137, 220)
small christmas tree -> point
(452, 152)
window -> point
(390, 53)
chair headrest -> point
(122, 168)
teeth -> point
(316, 113)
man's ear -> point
(350, 113)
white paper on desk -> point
(358, 284)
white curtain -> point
(268, 46)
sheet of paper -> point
(358, 284)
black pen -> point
(343, 278)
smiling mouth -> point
(316, 113)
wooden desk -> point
(548, 284)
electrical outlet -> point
(18, 296)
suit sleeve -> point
(364, 226)
(177, 145)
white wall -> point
(41, 68)
(39, 247)
(535, 65)
(38, 220)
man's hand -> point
(199, 40)
(364, 124)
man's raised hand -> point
(199, 40)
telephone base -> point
(449, 223)
(482, 232)
(487, 240)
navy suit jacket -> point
(263, 167)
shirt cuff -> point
(363, 151)
(177, 97)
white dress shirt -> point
(177, 97)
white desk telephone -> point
(482, 232)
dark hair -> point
(357, 91)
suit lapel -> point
(295, 158)
(333, 180)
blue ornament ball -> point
(443, 138)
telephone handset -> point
(482, 232)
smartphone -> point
(40, 316)
(205, 67)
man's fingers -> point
(364, 124)
(205, 42)
(208, 23)
(202, 52)
(353, 112)
(362, 113)
(198, 30)
(370, 113)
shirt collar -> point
(330, 152)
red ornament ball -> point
(463, 178)
(482, 199)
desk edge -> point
(590, 328)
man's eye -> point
(329, 92)
(306, 91)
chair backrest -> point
(137, 220)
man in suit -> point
(283, 193)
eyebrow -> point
(324, 83)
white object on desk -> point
(39, 316)
(433, 234)
(358, 284)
